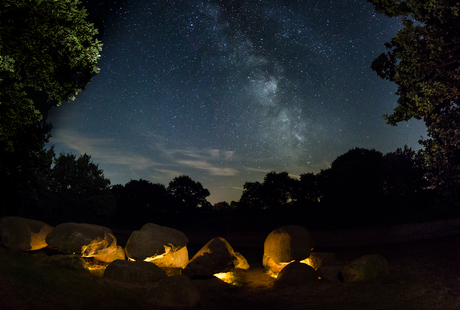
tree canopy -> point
(276, 190)
(80, 192)
(140, 201)
(48, 49)
(423, 59)
(361, 187)
(25, 173)
(188, 195)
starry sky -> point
(227, 91)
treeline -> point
(141, 201)
(67, 188)
(361, 188)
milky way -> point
(226, 91)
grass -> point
(423, 275)
(29, 282)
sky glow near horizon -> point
(227, 93)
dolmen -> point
(86, 240)
(216, 256)
(21, 234)
(285, 245)
(164, 246)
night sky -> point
(227, 91)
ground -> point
(423, 275)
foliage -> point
(407, 192)
(139, 202)
(309, 189)
(354, 186)
(252, 197)
(221, 206)
(424, 62)
(362, 187)
(24, 174)
(55, 189)
(276, 190)
(48, 47)
(187, 194)
(80, 191)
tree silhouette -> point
(309, 189)
(278, 189)
(187, 194)
(354, 187)
(139, 202)
(80, 190)
(25, 174)
(48, 47)
(423, 61)
(252, 198)
(48, 54)
(221, 207)
(407, 192)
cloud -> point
(210, 160)
(101, 150)
(259, 170)
(162, 162)
(213, 170)
(164, 174)
(199, 154)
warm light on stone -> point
(170, 259)
(94, 266)
(227, 277)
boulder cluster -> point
(289, 256)
(156, 257)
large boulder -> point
(284, 245)
(79, 238)
(364, 268)
(288, 243)
(172, 259)
(137, 272)
(119, 253)
(216, 256)
(295, 274)
(174, 292)
(242, 261)
(21, 234)
(154, 243)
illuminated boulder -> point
(21, 234)
(174, 292)
(284, 245)
(296, 274)
(79, 238)
(177, 259)
(214, 257)
(242, 262)
(320, 259)
(367, 267)
(119, 253)
(164, 246)
(137, 273)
